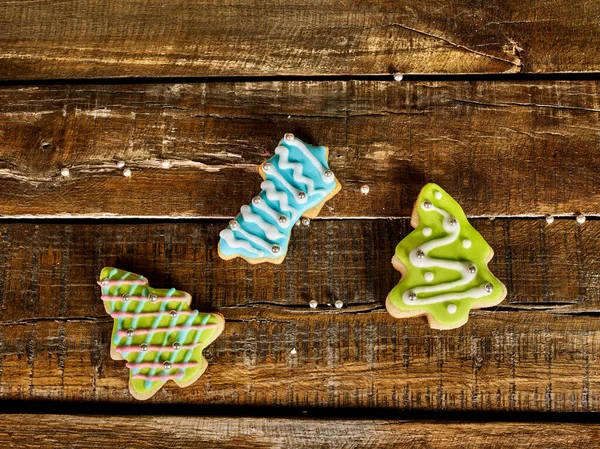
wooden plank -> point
(140, 432)
(537, 351)
(106, 38)
(501, 148)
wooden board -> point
(538, 351)
(501, 148)
(110, 38)
(141, 432)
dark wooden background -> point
(499, 104)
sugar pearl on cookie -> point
(176, 345)
(65, 172)
(313, 304)
(328, 174)
(267, 166)
(144, 347)
(127, 172)
(301, 195)
(305, 221)
(398, 76)
(289, 137)
(167, 365)
(166, 164)
(283, 219)
(489, 288)
(120, 164)
(339, 304)
(427, 205)
(275, 249)
(549, 219)
(130, 332)
(365, 189)
(580, 218)
(293, 351)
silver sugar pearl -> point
(305, 221)
(152, 297)
(130, 332)
(257, 200)
(167, 365)
(176, 345)
(173, 313)
(472, 269)
(233, 224)
(267, 166)
(420, 254)
(275, 249)
(452, 221)
(144, 347)
(283, 219)
(105, 281)
(339, 304)
(289, 137)
(412, 296)
(328, 174)
(427, 205)
(489, 288)
(301, 195)
(313, 303)
(126, 297)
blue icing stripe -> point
(297, 179)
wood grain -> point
(500, 148)
(538, 351)
(141, 432)
(110, 38)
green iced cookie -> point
(157, 333)
(443, 264)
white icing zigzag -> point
(296, 180)
(419, 258)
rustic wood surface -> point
(111, 38)
(209, 89)
(501, 148)
(149, 432)
(538, 351)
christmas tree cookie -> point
(297, 183)
(156, 332)
(443, 264)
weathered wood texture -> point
(112, 38)
(537, 351)
(149, 432)
(501, 148)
